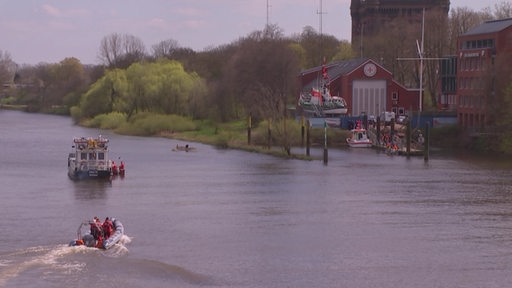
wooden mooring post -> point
(302, 131)
(427, 142)
(308, 137)
(408, 138)
(325, 144)
(249, 127)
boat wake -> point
(36, 258)
(117, 250)
(53, 262)
(81, 266)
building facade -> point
(476, 71)
(369, 16)
(367, 87)
(447, 97)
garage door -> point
(368, 96)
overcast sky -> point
(48, 31)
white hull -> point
(90, 159)
(359, 139)
(335, 112)
(359, 144)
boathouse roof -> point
(490, 27)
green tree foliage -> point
(263, 74)
(505, 121)
(344, 52)
(99, 99)
(317, 47)
(499, 85)
(72, 81)
(160, 87)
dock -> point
(398, 140)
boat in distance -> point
(359, 138)
(90, 159)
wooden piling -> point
(302, 131)
(325, 143)
(408, 138)
(427, 142)
(308, 140)
(378, 130)
(249, 127)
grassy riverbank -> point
(232, 135)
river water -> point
(227, 218)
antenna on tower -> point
(321, 13)
(268, 8)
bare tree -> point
(502, 10)
(461, 20)
(111, 49)
(165, 49)
(134, 50)
(263, 77)
(7, 68)
(120, 51)
(393, 41)
(435, 47)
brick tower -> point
(368, 16)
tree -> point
(72, 81)
(498, 82)
(393, 41)
(165, 49)
(121, 50)
(435, 47)
(345, 51)
(461, 20)
(263, 76)
(504, 122)
(160, 87)
(317, 47)
(111, 49)
(7, 68)
(502, 10)
(105, 95)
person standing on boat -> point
(97, 231)
(108, 228)
(121, 168)
(114, 168)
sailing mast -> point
(420, 52)
(421, 57)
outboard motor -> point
(89, 240)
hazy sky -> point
(34, 31)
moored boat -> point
(320, 102)
(359, 138)
(318, 105)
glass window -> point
(83, 156)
